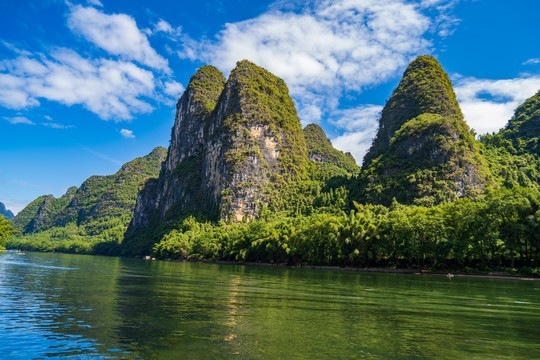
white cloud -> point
(349, 43)
(110, 89)
(173, 88)
(95, 3)
(163, 26)
(327, 48)
(15, 49)
(13, 94)
(360, 126)
(117, 34)
(438, 4)
(54, 125)
(127, 133)
(488, 104)
(20, 120)
(532, 61)
(310, 114)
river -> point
(75, 306)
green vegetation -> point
(262, 99)
(101, 235)
(323, 193)
(430, 160)
(6, 230)
(321, 151)
(206, 87)
(498, 230)
(424, 88)
(424, 153)
(99, 211)
(8, 215)
(521, 134)
(429, 195)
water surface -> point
(75, 306)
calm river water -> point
(56, 305)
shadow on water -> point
(73, 305)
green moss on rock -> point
(432, 159)
(259, 98)
(424, 88)
(321, 151)
(205, 87)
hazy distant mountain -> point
(7, 213)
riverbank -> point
(421, 272)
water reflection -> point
(77, 306)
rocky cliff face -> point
(424, 153)
(180, 179)
(232, 144)
(424, 88)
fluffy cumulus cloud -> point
(117, 34)
(114, 87)
(325, 49)
(173, 88)
(111, 89)
(488, 104)
(360, 125)
(127, 133)
(332, 45)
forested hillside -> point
(243, 182)
(91, 218)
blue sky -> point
(88, 85)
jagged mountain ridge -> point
(238, 142)
(8, 215)
(97, 197)
(233, 141)
(183, 164)
(236, 146)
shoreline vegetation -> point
(498, 231)
(488, 275)
(378, 270)
(429, 195)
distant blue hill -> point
(7, 213)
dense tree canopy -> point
(6, 230)
(430, 196)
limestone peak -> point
(424, 88)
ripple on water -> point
(56, 305)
